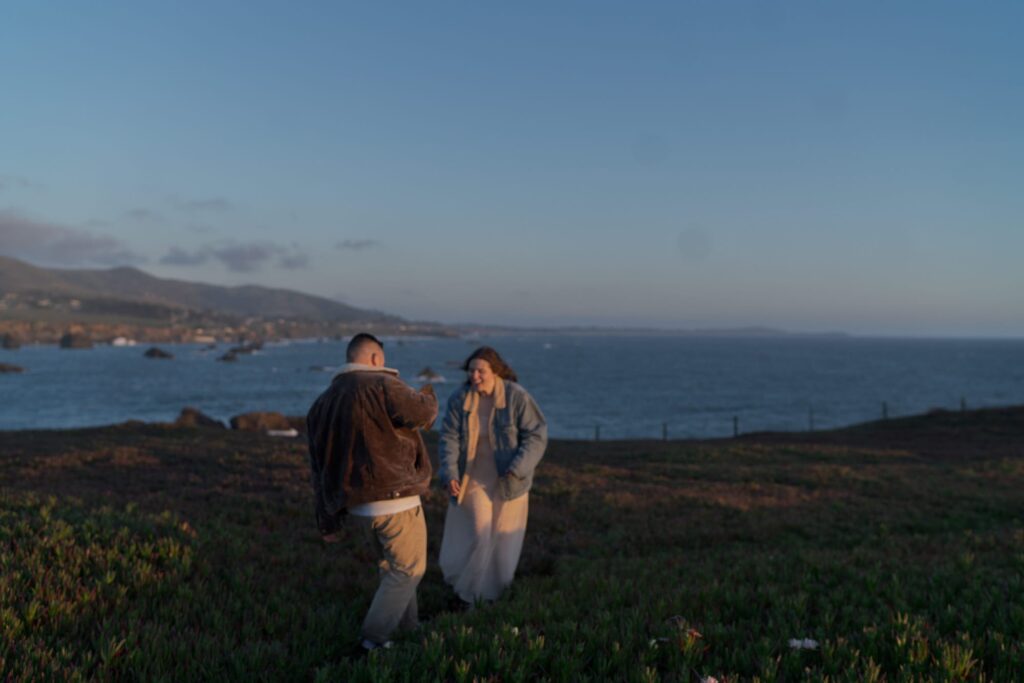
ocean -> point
(616, 387)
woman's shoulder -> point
(514, 388)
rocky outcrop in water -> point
(428, 374)
(154, 352)
(6, 368)
(11, 341)
(246, 348)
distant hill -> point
(133, 285)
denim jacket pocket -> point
(508, 436)
(510, 486)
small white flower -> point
(653, 643)
(803, 643)
(708, 679)
(515, 630)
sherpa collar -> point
(471, 405)
(363, 367)
(472, 400)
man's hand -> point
(454, 488)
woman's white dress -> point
(483, 535)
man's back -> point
(364, 443)
(369, 460)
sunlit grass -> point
(146, 553)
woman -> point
(492, 437)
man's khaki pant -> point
(400, 542)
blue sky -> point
(809, 166)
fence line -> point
(812, 424)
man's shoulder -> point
(350, 385)
(380, 382)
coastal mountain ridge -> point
(37, 296)
(133, 286)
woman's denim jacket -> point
(518, 433)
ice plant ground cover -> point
(143, 552)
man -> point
(369, 461)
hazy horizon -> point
(803, 167)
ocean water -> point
(625, 387)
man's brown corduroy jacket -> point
(364, 443)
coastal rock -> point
(229, 357)
(11, 341)
(247, 347)
(428, 374)
(154, 352)
(193, 417)
(260, 422)
(6, 368)
(75, 340)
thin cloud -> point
(48, 243)
(243, 258)
(357, 245)
(240, 258)
(9, 181)
(141, 214)
(179, 257)
(293, 261)
(246, 258)
(211, 204)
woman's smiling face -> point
(481, 377)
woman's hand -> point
(454, 488)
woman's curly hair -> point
(498, 366)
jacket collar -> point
(469, 404)
(362, 367)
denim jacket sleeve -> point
(533, 437)
(449, 443)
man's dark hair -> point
(358, 343)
